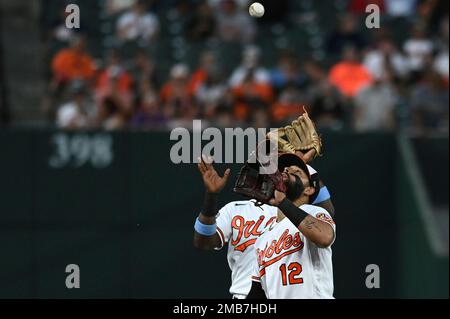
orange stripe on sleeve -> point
(221, 235)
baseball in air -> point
(256, 10)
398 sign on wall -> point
(79, 150)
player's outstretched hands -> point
(213, 182)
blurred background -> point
(85, 116)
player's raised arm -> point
(319, 232)
(205, 235)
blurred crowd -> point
(371, 84)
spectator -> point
(114, 95)
(207, 64)
(79, 112)
(180, 11)
(251, 95)
(185, 119)
(358, 7)
(315, 72)
(349, 75)
(287, 72)
(426, 12)
(127, 92)
(143, 69)
(114, 7)
(375, 106)
(112, 115)
(443, 34)
(441, 62)
(327, 105)
(175, 94)
(224, 118)
(260, 118)
(60, 32)
(400, 8)
(441, 65)
(385, 58)
(288, 105)
(439, 13)
(418, 49)
(149, 114)
(429, 102)
(210, 93)
(202, 24)
(346, 35)
(138, 24)
(250, 63)
(114, 70)
(234, 25)
(73, 63)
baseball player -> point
(239, 224)
(293, 255)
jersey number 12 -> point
(294, 270)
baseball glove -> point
(301, 136)
(253, 185)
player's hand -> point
(213, 182)
(308, 156)
(278, 197)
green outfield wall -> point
(116, 206)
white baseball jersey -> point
(239, 224)
(289, 265)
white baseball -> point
(256, 10)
